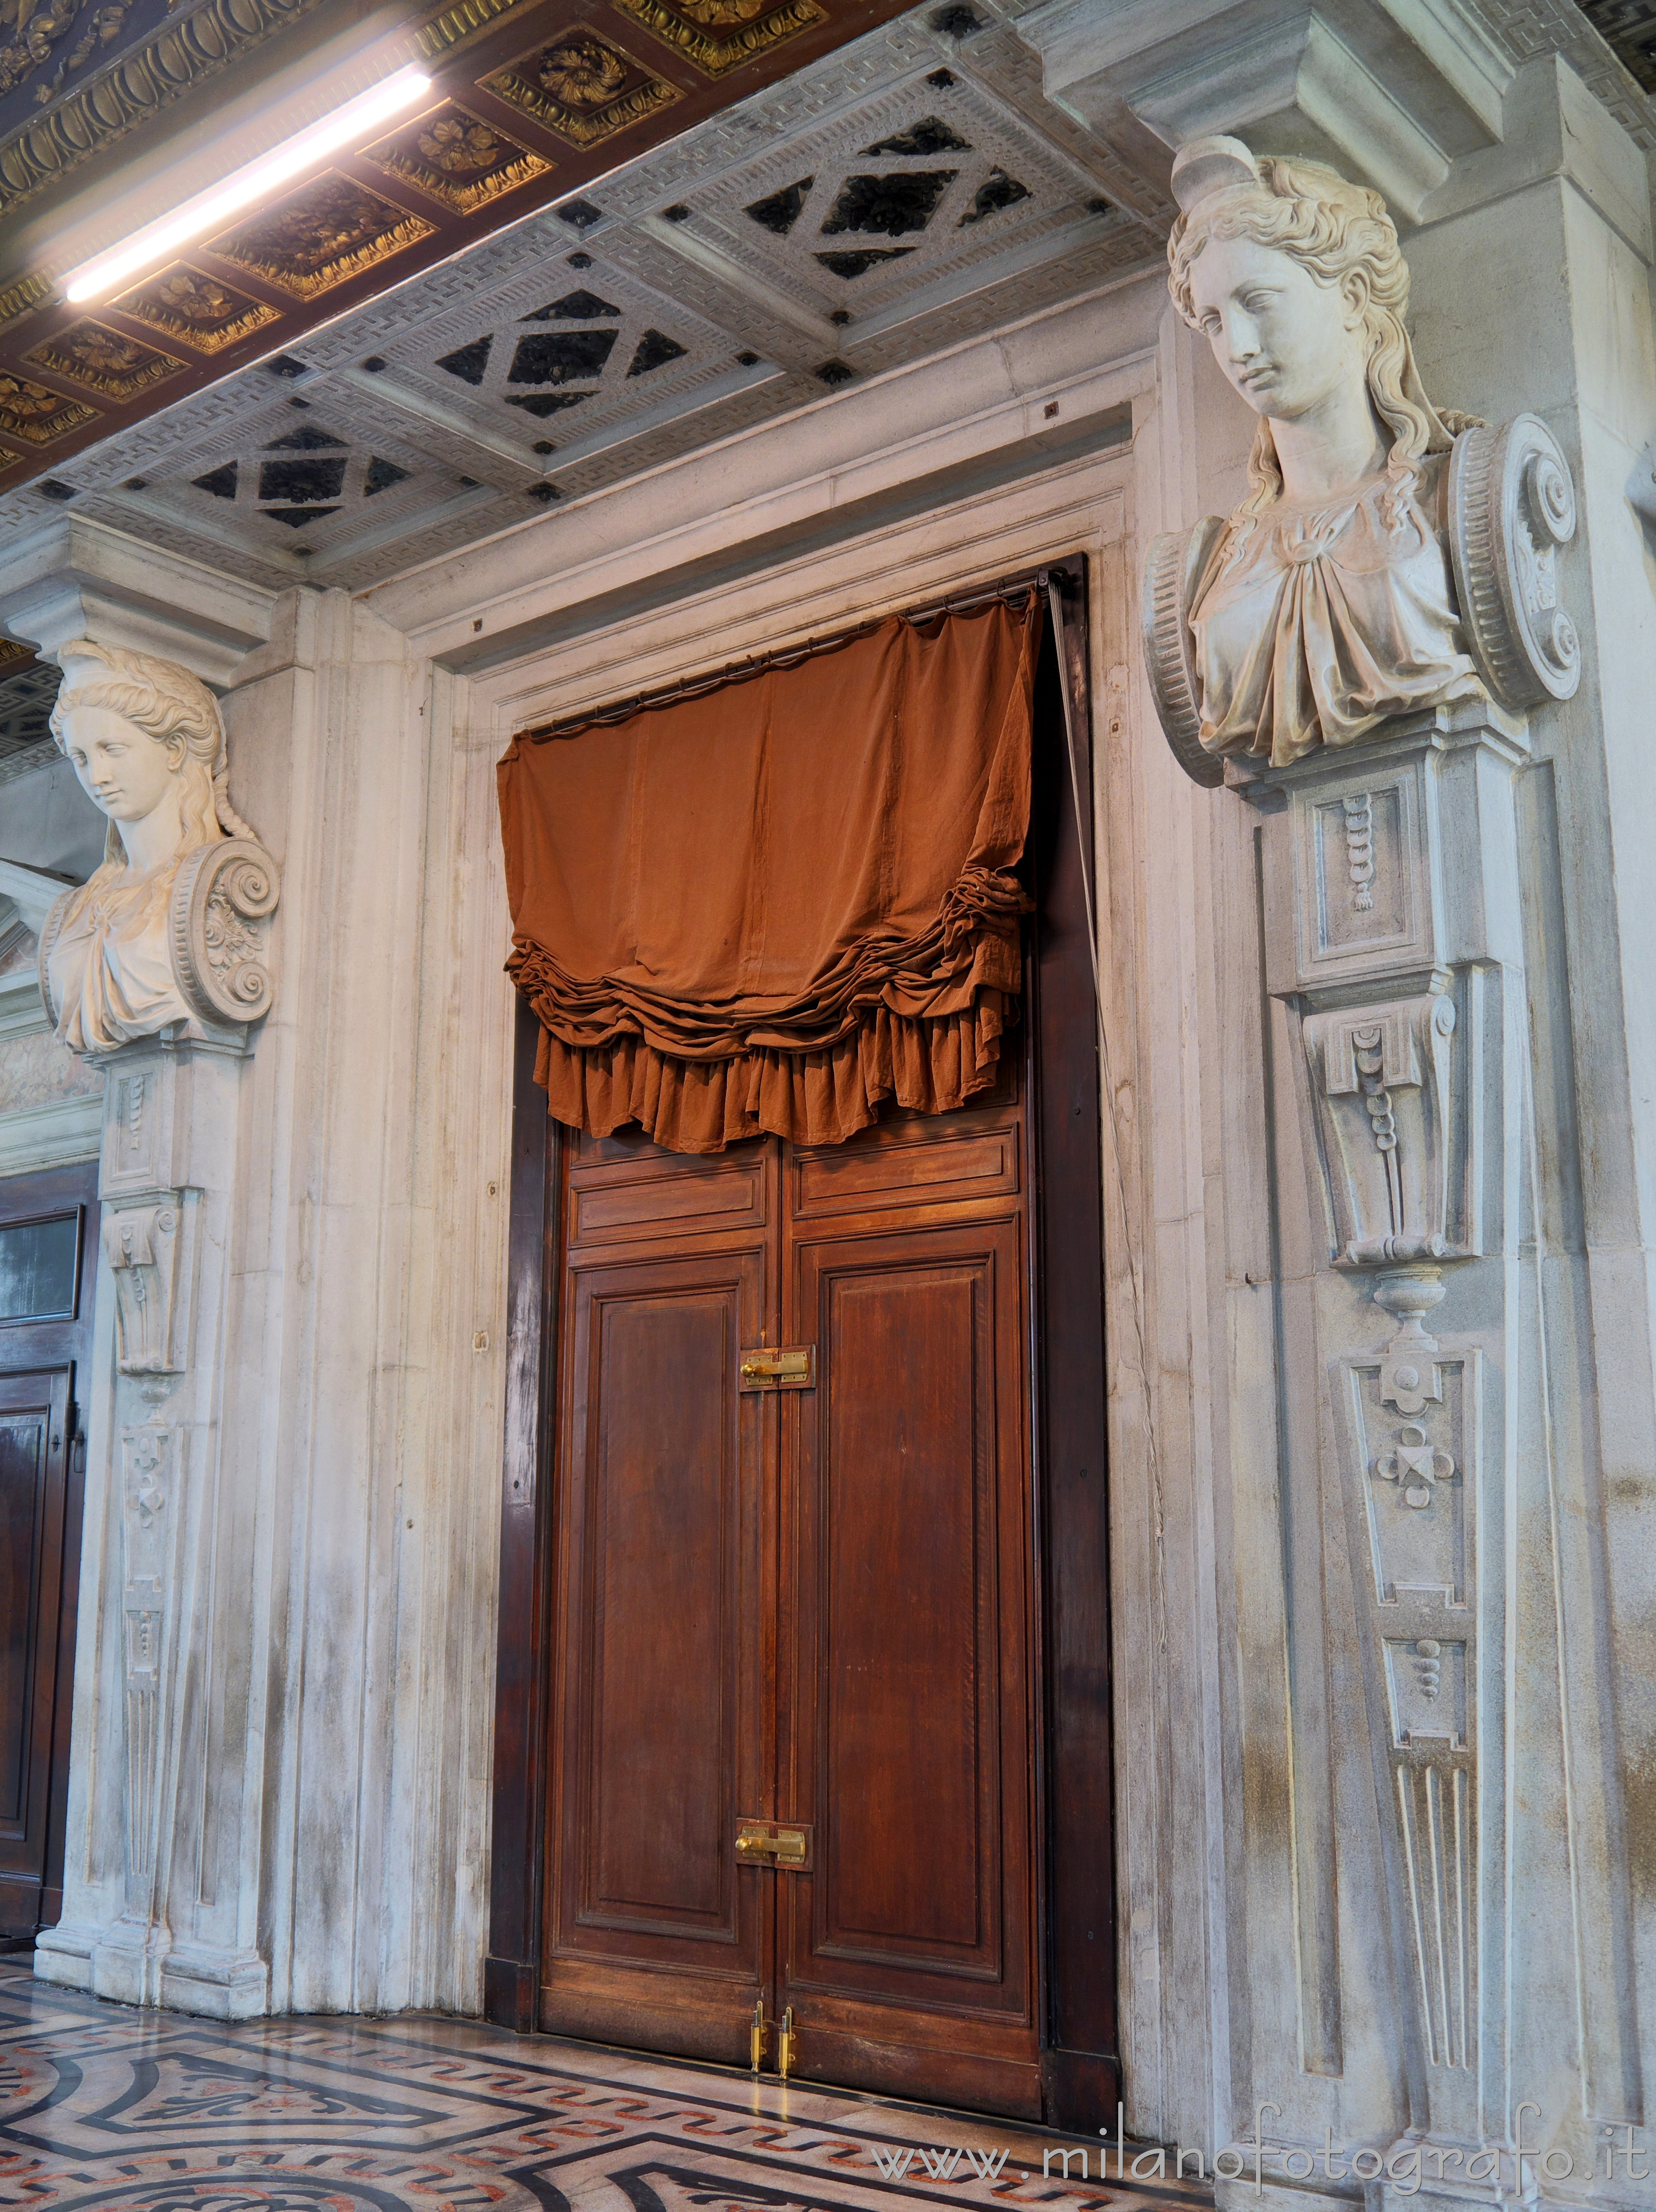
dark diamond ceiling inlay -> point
(997, 190)
(560, 357)
(655, 350)
(468, 362)
(297, 517)
(301, 480)
(543, 403)
(221, 482)
(309, 438)
(573, 308)
(931, 135)
(380, 475)
(779, 211)
(889, 206)
(859, 263)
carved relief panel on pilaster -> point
(1385, 1109)
(1408, 1417)
(137, 1127)
(147, 1248)
(150, 1218)
(1361, 875)
(149, 1481)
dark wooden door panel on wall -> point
(908, 1952)
(48, 1243)
(664, 1736)
(33, 1455)
(866, 1613)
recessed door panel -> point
(663, 1734)
(904, 1468)
(905, 1495)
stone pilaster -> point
(1395, 940)
(157, 1649)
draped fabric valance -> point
(771, 906)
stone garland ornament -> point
(1388, 557)
(174, 929)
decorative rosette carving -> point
(218, 925)
(1511, 505)
(1171, 573)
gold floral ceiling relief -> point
(583, 85)
(331, 228)
(719, 35)
(38, 416)
(456, 159)
(101, 359)
(207, 316)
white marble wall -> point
(330, 1825)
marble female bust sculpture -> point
(146, 740)
(1327, 601)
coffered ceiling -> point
(906, 190)
(530, 99)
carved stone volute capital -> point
(223, 896)
(1511, 505)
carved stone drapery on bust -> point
(1387, 557)
(171, 928)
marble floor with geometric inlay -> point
(105, 2109)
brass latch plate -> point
(773, 1843)
(785, 1367)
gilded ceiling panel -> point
(582, 85)
(719, 35)
(185, 303)
(455, 157)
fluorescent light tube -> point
(207, 211)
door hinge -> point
(791, 1367)
(772, 1843)
(758, 2032)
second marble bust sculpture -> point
(170, 929)
(1335, 596)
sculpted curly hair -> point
(1342, 235)
(170, 705)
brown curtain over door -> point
(770, 907)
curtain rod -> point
(1031, 583)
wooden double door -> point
(791, 1774)
(803, 1700)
